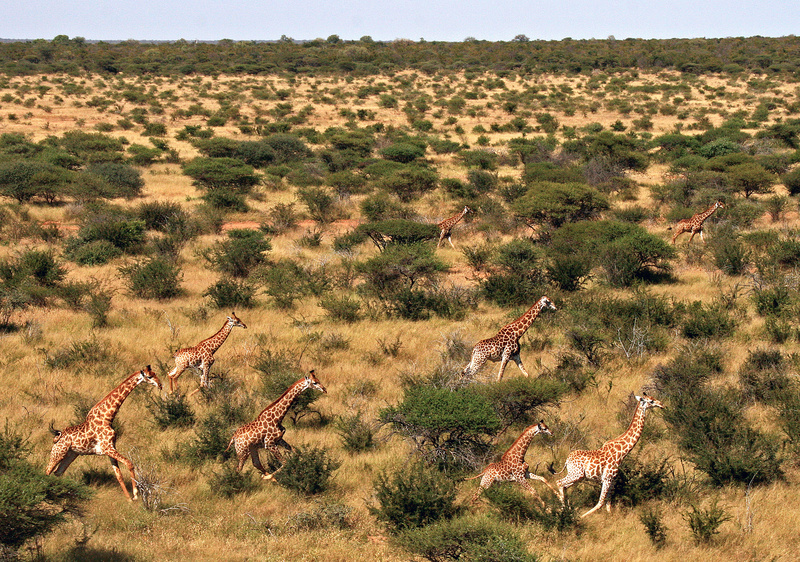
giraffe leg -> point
(473, 366)
(691, 237)
(602, 500)
(275, 451)
(518, 360)
(257, 460)
(116, 458)
(173, 378)
(531, 489)
(486, 481)
(545, 481)
(441, 237)
(241, 456)
(502, 370)
(562, 485)
(451, 243)
(703, 238)
(63, 464)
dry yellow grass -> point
(203, 526)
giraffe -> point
(512, 466)
(695, 224)
(95, 436)
(200, 357)
(446, 226)
(603, 464)
(266, 431)
(505, 345)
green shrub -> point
(763, 376)
(403, 152)
(223, 198)
(409, 182)
(712, 321)
(31, 504)
(240, 253)
(521, 400)
(705, 523)
(126, 180)
(231, 294)
(212, 436)
(356, 434)
(449, 427)
(557, 203)
(473, 539)
(125, 233)
(215, 173)
(413, 496)
(96, 252)
(154, 278)
(343, 308)
(229, 483)
(654, 526)
(792, 181)
(320, 204)
(307, 470)
(171, 410)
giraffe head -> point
(719, 205)
(147, 375)
(648, 402)
(313, 382)
(542, 428)
(234, 321)
(467, 210)
(545, 302)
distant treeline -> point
(367, 57)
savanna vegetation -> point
(148, 189)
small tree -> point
(556, 203)
(240, 253)
(750, 178)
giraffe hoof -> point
(267, 477)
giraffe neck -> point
(707, 213)
(214, 342)
(104, 411)
(516, 453)
(521, 324)
(625, 442)
(276, 411)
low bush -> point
(229, 483)
(307, 470)
(154, 278)
(413, 496)
(231, 294)
(356, 434)
(705, 523)
(171, 410)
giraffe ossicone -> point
(200, 357)
(603, 464)
(504, 346)
(512, 466)
(95, 436)
(266, 431)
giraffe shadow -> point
(99, 477)
(91, 554)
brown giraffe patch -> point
(504, 346)
(95, 436)
(603, 464)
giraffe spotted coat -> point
(512, 466)
(266, 431)
(603, 464)
(446, 226)
(505, 345)
(95, 436)
(695, 224)
(200, 358)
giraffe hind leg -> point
(486, 481)
(602, 500)
(518, 360)
(531, 489)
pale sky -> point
(432, 20)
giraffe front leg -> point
(518, 360)
(472, 367)
(503, 363)
(275, 451)
(62, 463)
(118, 474)
(451, 243)
(603, 493)
(173, 378)
(257, 460)
(531, 489)
(545, 481)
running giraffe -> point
(446, 226)
(603, 464)
(95, 436)
(695, 224)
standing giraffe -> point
(95, 436)
(505, 345)
(200, 357)
(446, 226)
(266, 431)
(695, 224)
(603, 464)
(512, 466)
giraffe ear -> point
(638, 398)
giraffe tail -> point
(56, 432)
(474, 477)
(233, 439)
